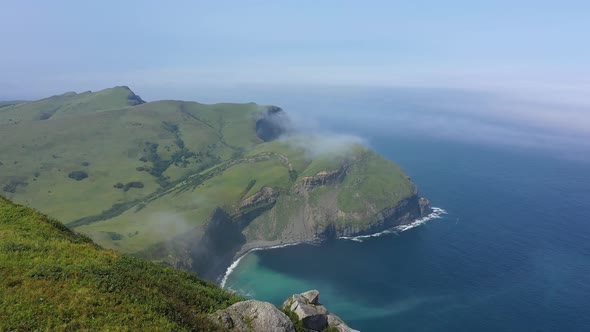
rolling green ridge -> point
(6, 103)
(54, 279)
(145, 178)
(69, 103)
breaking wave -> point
(436, 213)
(235, 263)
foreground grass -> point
(54, 279)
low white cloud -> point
(456, 115)
(322, 144)
(167, 223)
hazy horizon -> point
(502, 73)
(534, 49)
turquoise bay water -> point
(512, 254)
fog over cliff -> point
(470, 117)
(345, 114)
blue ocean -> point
(512, 252)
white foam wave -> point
(235, 263)
(435, 214)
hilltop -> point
(190, 184)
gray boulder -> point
(312, 296)
(312, 319)
(334, 320)
(253, 315)
(314, 316)
(339, 324)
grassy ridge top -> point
(69, 103)
(149, 146)
(52, 278)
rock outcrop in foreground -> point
(305, 309)
(254, 315)
(313, 314)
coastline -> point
(436, 213)
(256, 246)
(259, 245)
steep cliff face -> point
(407, 211)
(256, 204)
(331, 204)
(323, 178)
(359, 194)
(325, 220)
(355, 193)
(285, 218)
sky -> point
(498, 72)
(534, 48)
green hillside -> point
(148, 146)
(54, 279)
(145, 178)
(69, 103)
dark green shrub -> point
(115, 236)
(11, 186)
(133, 184)
(78, 175)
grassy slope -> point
(186, 206)
(54, 279)
(369, 177)
(373, 179)
(37, 156)
(221, 162)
